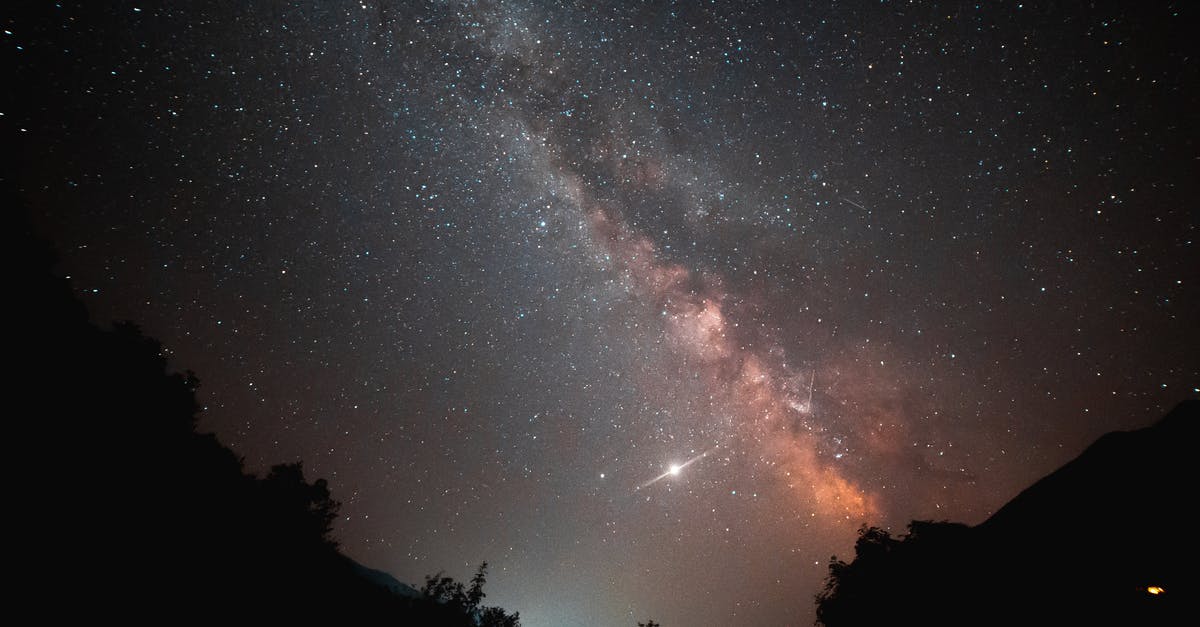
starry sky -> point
(648, 304)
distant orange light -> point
(1154, 590)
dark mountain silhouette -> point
(384, 580)
(1103, 540)
(156, 522)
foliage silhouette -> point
(164, 521)
(887, 573)
(445, 592)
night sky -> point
(649, 305)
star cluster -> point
(649, 305)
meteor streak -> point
(674, 470)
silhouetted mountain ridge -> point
(384, 580)
(1124, 478)
(1101, 540)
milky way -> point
(760, 404)
(648, 305)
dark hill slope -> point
(1083, 545)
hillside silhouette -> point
(1103, 540)
(125, 512)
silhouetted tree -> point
(649, 623)
(475, 593)
(444, 590)
(891, 579)
(119, 478)
(448, 593)
(308, 506)
(496, 617)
